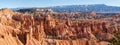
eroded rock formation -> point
(28, 29)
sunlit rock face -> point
(44, 29)
(6, 18)
(8, 36)
(6, 11)
(41, 27)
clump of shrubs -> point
(116, 40)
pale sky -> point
(48, 3)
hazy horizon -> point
(49, 3)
